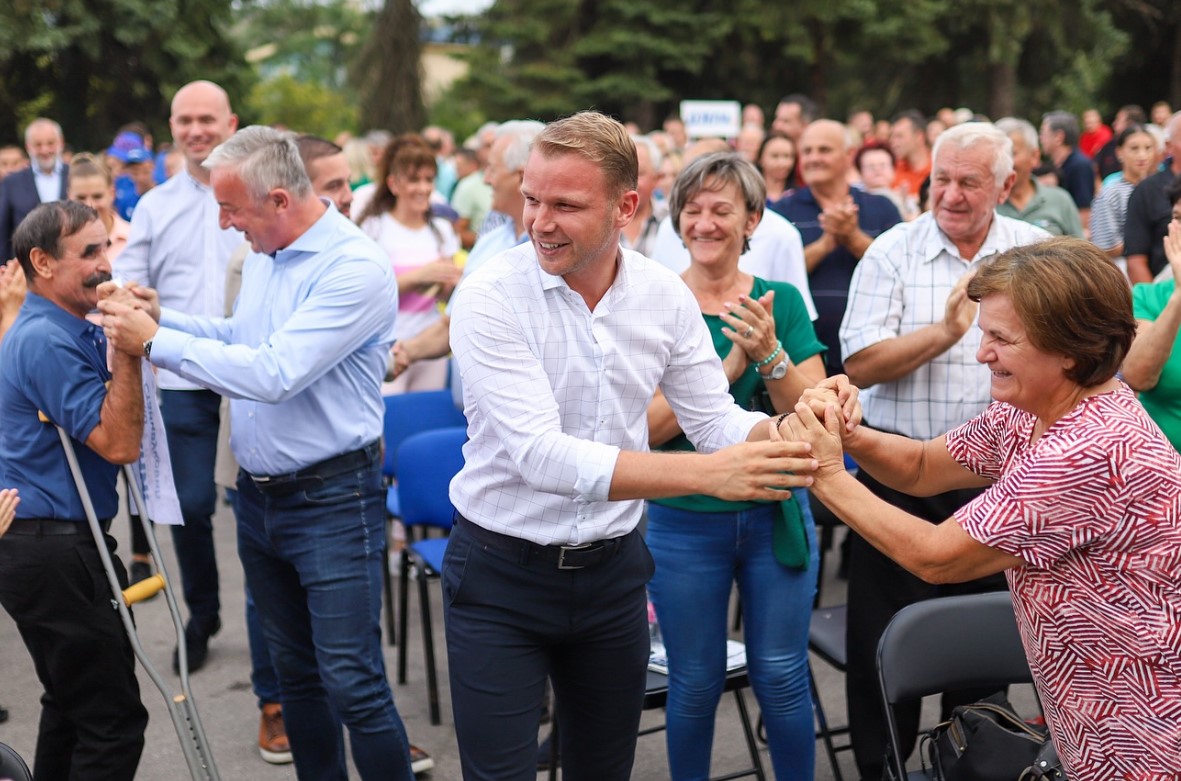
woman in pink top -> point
(1083, 512)
(421, 248)
(90, 182)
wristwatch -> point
(779, 370)
(148, 349)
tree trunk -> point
(1002, 89)
(1175, 69)
(389, 71)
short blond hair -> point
(597, 138)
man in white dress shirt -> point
(561, 343)
(177, 248)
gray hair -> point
(653, 148)
(713, 172)
(969, 134)
(1064, 121)
(265, 159)
(1014, 126)
(42, 121)
(522, 132)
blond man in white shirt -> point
(562, 343)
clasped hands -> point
(130, 315)
(826, 417)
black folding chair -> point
(946, 643)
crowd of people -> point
(703, 334)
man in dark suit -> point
(43, 181)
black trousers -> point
(879, 588)
(92, 719)
(513, 620)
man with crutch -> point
(52, 580)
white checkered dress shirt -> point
(554, 391)
(901, 285)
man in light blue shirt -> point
(302, 360)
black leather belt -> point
(48, 527)
(588, 554)
(315, 474)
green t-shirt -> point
(794, 329)
(1163, 403)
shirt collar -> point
(52, 174)
(621, 281)
(39, 305)
(319, 237)
(937, 241)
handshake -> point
(130, 315)
(800, 447)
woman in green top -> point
(1153, 364)
(701, 545)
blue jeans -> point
(191, 419)
(698, 558)
(263, 678)
(313, 563)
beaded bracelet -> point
(771, 357)
(779, 420)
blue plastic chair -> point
(411, 413)
(426, 463)
(407, 414)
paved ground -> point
(228, 711)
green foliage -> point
(96, 64)
(638, 58)
(303, 106)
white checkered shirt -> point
(901, 285)
(553, 391)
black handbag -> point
(1046, 766)
(984, 741)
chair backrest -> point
(958, 642)
(426, 462)
(12, 766)
(410, 413)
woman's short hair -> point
(599, 139)
(1072, 300)
(713, 172)
(265, 159)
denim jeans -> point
(191, 419)
(698, 558)
(313, 563)
(263, 678)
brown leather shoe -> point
(272, 735)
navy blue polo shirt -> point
(54, 362)
(829, 281)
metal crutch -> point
(181, 707)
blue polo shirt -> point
(829, 281)
(54, 362)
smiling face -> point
(94, 191)
(715, 222)
(71, 281)
(573, 217)
(201, 119)
(44, 143)
(1022, 374)
(413, 190)
(822, 153)
(965, 194)
(239, 210)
